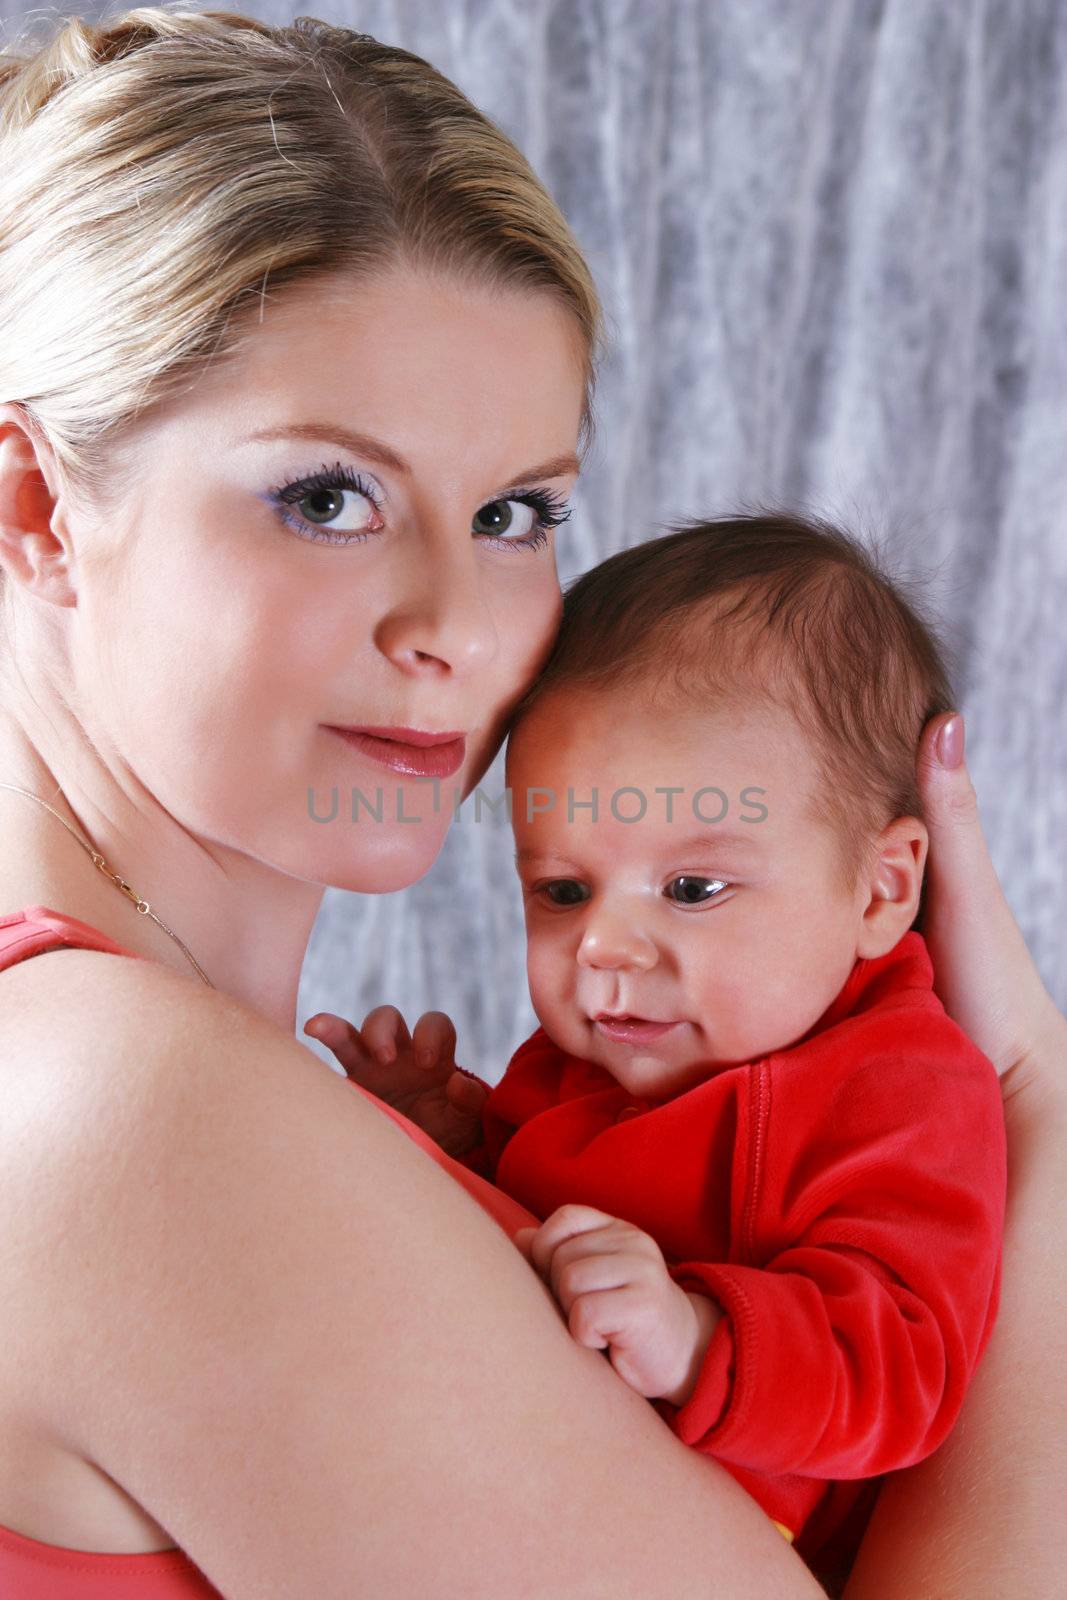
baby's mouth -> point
(630, 1030)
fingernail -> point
(385, 1053)
(425, 1058)
(950, 742)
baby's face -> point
(729, 938)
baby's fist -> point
(612, 1282)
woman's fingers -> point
(984, 973)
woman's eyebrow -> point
(362, 444)
(359, 444)
(557, 467)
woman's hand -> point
(979, 1518)
(984, 973)
(415, 1073)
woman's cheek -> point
(529, 621)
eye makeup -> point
(549, 509)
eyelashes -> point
(329, 480)
(549, 509)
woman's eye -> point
(521, 519)
(692, 890)
(500, 517)
(333, 506)
(565, 891)
(323, 506)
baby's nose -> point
(614, 942)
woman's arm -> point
(983, 1516)
(307, 1353)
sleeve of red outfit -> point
(870, 1221)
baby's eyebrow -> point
(713, 838)
(560, 865)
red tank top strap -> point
(35, 929)
(30, 1570)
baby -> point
(772, 1169)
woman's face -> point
(343, 527)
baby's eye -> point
(691, 890)
(565, 891)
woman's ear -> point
(33, 553)
(891, 884)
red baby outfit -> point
(843, 1202)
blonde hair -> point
(158, 167)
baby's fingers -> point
(339, 1036)
(569, 1222)
(385, 1033)
(593, 1319)
(466, 1094)
(434, 1040)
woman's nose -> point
(612, 940)
(439, 621)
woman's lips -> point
(632, 1030)
(439, 760)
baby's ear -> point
(891, 884)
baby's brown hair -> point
(792, 609)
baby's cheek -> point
(550, 977)
(781, 991)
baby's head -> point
(743, 700)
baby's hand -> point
(612, 1282)
(416, 1074)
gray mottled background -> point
(831, 236)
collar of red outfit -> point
(906, 966)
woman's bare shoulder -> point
(179, 1181)
(107, 1040)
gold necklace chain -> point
(131, 894)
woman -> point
(246, 1317)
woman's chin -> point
(392, 863)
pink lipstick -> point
(410, 751)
